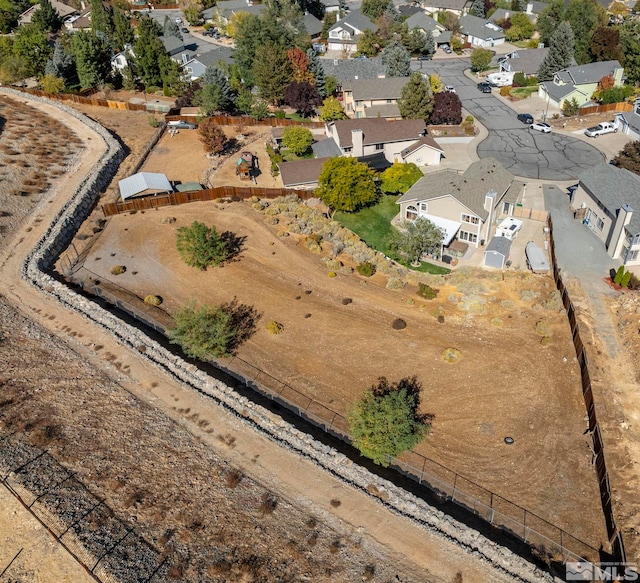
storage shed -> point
(144, 183)
(497, 252)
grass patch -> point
(373, 226)
(298, 117)
(289, 156)
(524, 92)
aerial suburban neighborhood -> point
(334, 290)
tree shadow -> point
(234, 245)
(244, 320)
(412, 386)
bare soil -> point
(505, 384)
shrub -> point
(274, 327)
(505, 91)
(634, 283)
(626, 278)
(519, 80)
(153, 121)
(118, 269)
(570, 107)
(332, 274)
(398, 324)
(367, 269)
(426, 291)
(268, 504)
(280, 114)
(201, 246)
(153, 300)
(617, 279)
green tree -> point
(617, 279)
(374, 9)
(201, 246)
(101, 19)
(570, 107)
(347, 185)
(272, 72)
(419, 42)
(212, 137)
(316, 69)
(259, 109)
(629, 157)
(330, 85)
(148, 52)
(560, 52)
(416, 239)
(174, 78)
(521, 27)
(584, 16)
(93, 58)
(605, 45)
(216, 93)
(297, 139)
(396, 60)
(416, 99)
(31, 44)
(170, 28)
(52, 84)
(123, 34)
(630, 42)
(549, 20)
(399, 178)
(47, 18)
(61, 64)
(332, 110)
(330, 18)
(368, 44)
(477, 8)
(205, 333)
(480, 59)
(385, 421)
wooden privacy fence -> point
(175, 198)
(533, 214)
(615, 538)
(230, 120)
(86, 100)
(604, 108)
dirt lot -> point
(505, 384)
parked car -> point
(484, 87)
(185, 30)
(181, 125)
(178, 20)
(606, 127)
(525, 118)
(447, 49)
(540, 126)
(449, 89)
(425, 57)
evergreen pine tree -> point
(93, 58)
(101, 19)
(477, 8)
(315, 67)
(216, 94)
(397, 60)
(560, 52)
(46, 18)
(148, 51)
(123, 34)
(60, 64)
(416, 100)
(171, 28)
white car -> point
(178, 20)
(449, 89)
(540, 126)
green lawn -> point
(373, 226)
(289, 156)
(524, 92)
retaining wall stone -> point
(59, 235)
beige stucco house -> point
(607, 200)
(373, 97)
(465, 205)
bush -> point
(280, 114)
(634, 283)
(519, 80)
(153, 300)
(274, 327)
(626, 278)
(201, 246)
(617, 279)
(505, 91)
(118, 269)
(398, 324)
(426, 291)
(570, 108)
(367, 269)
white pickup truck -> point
(606, 127)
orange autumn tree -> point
(300, 66)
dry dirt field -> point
(505, 384)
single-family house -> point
(301, 173)
(526, 61)
(502, 14)
(373, 97)
(424, 152)
(422, 21)
(343, 35)
(144, 183)
(331, 5)
(63, 10)
(457, 7)
(367, 136)
(479, 32)
(629, 121)
(346, 70)
(606, 200)
(222, 12)
(196, 66)
(534, 7)
(464, 205)
(120, 60)
(579, 82)
(312, 25)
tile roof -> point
(469, 188)
(379, 130)
(385, 88)
(614, 187)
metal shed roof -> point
(143, 182)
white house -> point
(629, 121)
(343, 35)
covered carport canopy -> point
(144, 183)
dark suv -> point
(484, 87)
(525, 118)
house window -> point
(379, 146)
(470, 237)
(632, 256)
(347, 149)
(344, 34)
(359, 114)
(189, 69)
(423, 207)
(359, 103)
(389, 100)
(470, 219)
(411, 213)
(600, 224)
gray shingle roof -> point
(387, 88)
(422, 21)
(143, 182)
(326, 149)
(216, 54)
(385, 110)
(348, 69)
(588, 73)
(469, 188)
(614, 187)
(379, 130)
(480, 28)
(528, 60)
(356, 21)
(446, 4)
(536, 7)
(558, 92)
(301, 172)
(423, 141)
(500, 245)
(172, 44)
(631, 118)
(502, 13)
(312, 24)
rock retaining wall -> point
(59, 235)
